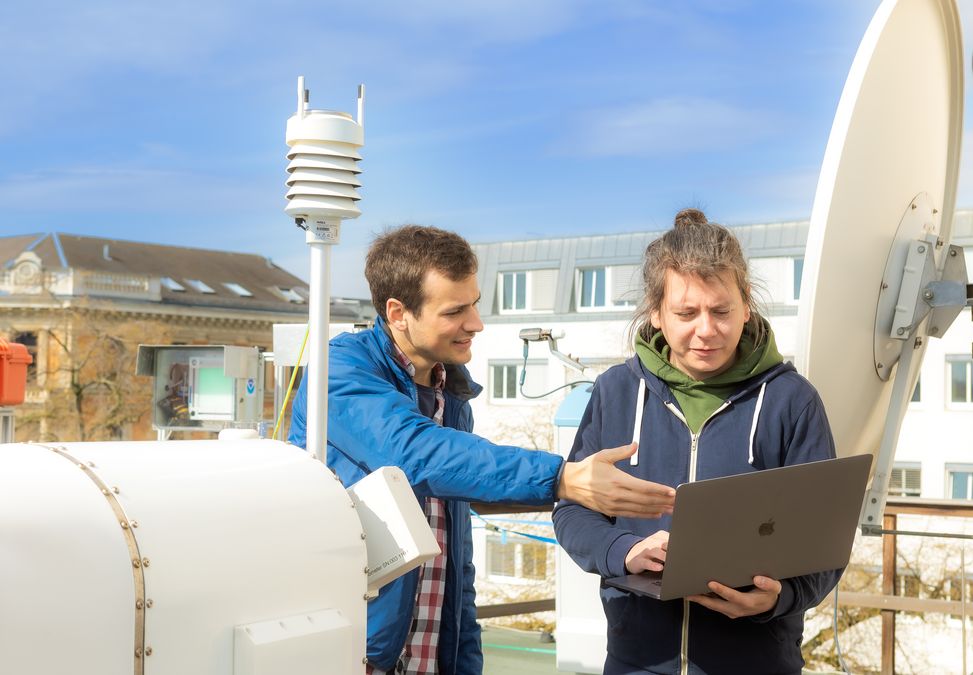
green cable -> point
(538, 650)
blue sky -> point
(164, 122)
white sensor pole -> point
(323, 190)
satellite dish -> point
(878, 268)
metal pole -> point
(962, 597)
(888, 588)
(317, 364)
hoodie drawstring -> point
(756, 414)
(637, 431)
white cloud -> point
(133, 191)
(664, 126)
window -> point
(533, 560)
(505, 379)
(172, 284)
(906, 480)
(959, 481)
(516, 557)
(200, 286)
(514, 290)
(779, 276)
(959, 380)
(591, 287)
(501, 557)
(798, 274)
(238, 289)
(614, 287)
(288, 294)
(29, 340)
(526, 291)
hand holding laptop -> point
(649, 555)
(736, 604)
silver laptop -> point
(778, 523)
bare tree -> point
(89, 389)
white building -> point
(587, 287)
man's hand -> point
(649, 554)
(735, 604)
(595, 482)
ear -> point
(654, 319)
(395, 311)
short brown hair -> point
(400, 257)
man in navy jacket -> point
(399, 396)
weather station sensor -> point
(880, 274)
(322, 191)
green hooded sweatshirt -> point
(698, 399)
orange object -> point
(14, 358)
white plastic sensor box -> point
(397, 534)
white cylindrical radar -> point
(181, 557)
(322, 190)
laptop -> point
(778, 523)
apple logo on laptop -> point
(766, 529)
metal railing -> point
(888, 602)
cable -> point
(290, 385)
(504, 531)
(523, 376)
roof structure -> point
(172, 275)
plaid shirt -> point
(419, 656)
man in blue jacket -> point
(398, 395)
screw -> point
(874, 501)
(123, 524)
(952, 252)
(365, 597)
(134, 523)
(136, 563)
(139, 604)
(138, 652)
(934, 330)
(928, 295)
(870, 518)
(149, 603)
(880, 365)
(935, 211)
(913, 206)
(922, 249)
(145, 562)
(148, 651)
(366, 570)
(91, 464)
(362, 535)
(884, 285)
(900, 331)
(115, 490)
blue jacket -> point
(791, 428)
(374, 421)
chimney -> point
(106, 254)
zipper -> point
(693, 458)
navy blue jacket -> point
(374, 421)
(791, 428)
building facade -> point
(83, 304)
